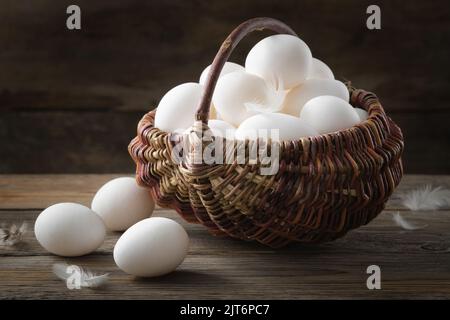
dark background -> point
(70, 100)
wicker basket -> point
(326, 185)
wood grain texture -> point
(92, 86)
(25, 191)
(413, 264)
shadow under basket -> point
(325, 185)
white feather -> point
(60, 270)
(274, 101)
(403, 223)
(427, 198)
(274, 104)
(12, 234)
(88, 279)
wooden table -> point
(414, 264)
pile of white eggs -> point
(150, 246)
(281, 87)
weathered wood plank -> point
(96, 142)
(117, 65)
(94, 84)
(203, 242)
(67, 142)
(426, 141)
(413, 264)
(40, 191)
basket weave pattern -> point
(325, 186)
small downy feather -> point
(11, 235)
(403, 223)
(88, 279)
(427, 198)
(274, 102)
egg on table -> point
(152, 247)
(329, 114)
(320, 70)
(282, 60)
(69, 229)
(235, 92)
(121, 203)
(297, 97)
(227, 68)
(177, 108)
(287, 127)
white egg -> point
(289, 127)
(363, 114)
(151, 247)
(216, 115)
(297, 97)
(329, 114)
(181, 131)
(227, 68)
(320, 70)
(213, 112)
(122, 202)
(69, 230)
(282, 60)
(221, 128)
(235, 91)
(177, 108)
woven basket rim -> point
(377, 119)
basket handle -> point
(256, 24)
